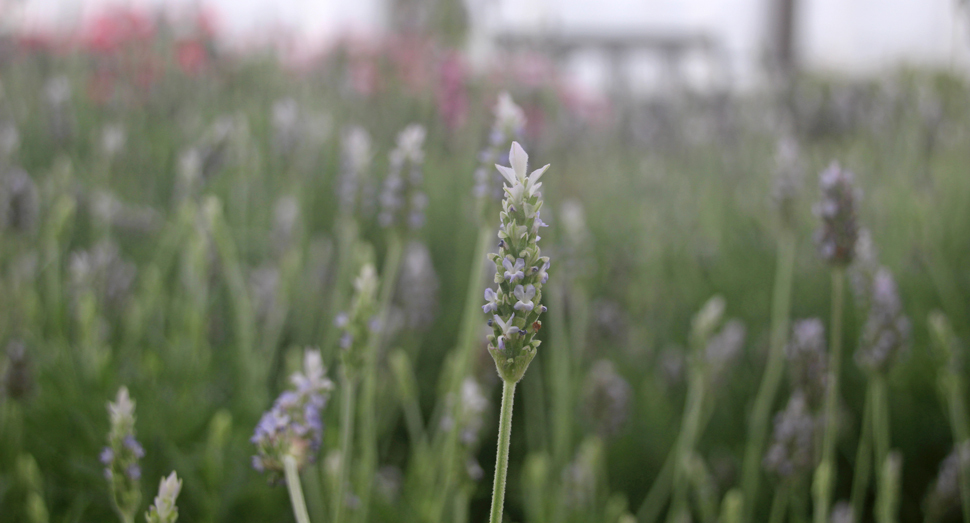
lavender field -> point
(239, 286)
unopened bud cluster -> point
(836, 239)
(357, 324)
(509, 125)
(164, 509)
(521, 270)
(355, 158)
(402, 201)
(294, 425)
(120, 457)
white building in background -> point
(853, 37)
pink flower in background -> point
(411, 58)
(191, 56)
(452, 97)
(115, 27)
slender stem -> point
(502, 456)
(779, 504)
(339, 503)
(368, 403)
(823, 492)
(863, 459)
(653, 504)
(880, 423)
(296, 491)
(560, 374)
(758, 425)
(690, 430)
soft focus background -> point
(168, 208)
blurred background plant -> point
(184, 220)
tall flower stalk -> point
(515, 303)
(121, 456)
(787, 182)
(836, 241)
(402, 212)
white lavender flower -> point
(791, 450)
(417, 288)
(356, 159)
(402, 201)
(724, 347)
(19, 201)
(807, 360)
(9, 139)
(285, 120)
(113, 138)
(57, 94)
(294, 426)
(842, 513)
(606, 399)
(120, 457)
(286, 218)
(264, 283)
(836, 239)
(164, 509)
(886, 332)
(509, 126)
(577, 241)
(863, 270)
(520, 270)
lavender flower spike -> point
(294, 426)
(120, 457)
(520, 270)
(837, 237)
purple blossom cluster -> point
(836, 239)
(887, 329)
(120, 457)
(402, 201)
(294, 426)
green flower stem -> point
(502, 456)
(348, 389)
(863, 460)
(346, 242)
(296, 491)
(880, 419)
(249, 375)
(779, 504)
(826, 482)
(951, 382)
(560, 374)
(774, 369)
(469, 334)
(657, 496)
(368, 404)
(687, 440)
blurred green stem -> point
(690, 430)
(779, 504)
(296, 491)
(863, 460)
(880, 424)
(774, 369)
(368, 404)
(502, 456)
(826, 482)
(347, 386)
(560, 372)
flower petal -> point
(519, 159)
(536, 174)
(507, 173)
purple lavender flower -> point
(886, 332)
(807, 360)
(836, 239)
(293, 426)
(120, 457)
(791, 450)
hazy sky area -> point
(846, 36)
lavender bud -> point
(724, 347)
(791, 449)
(402, 202)
(356, 159)
(807, 361)
(356, 324)
(836, 239)
(121, 456)
(842, 513)
(788, 178)
(164, 509)
(606, 399)
(886, 332)
(286, 125)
